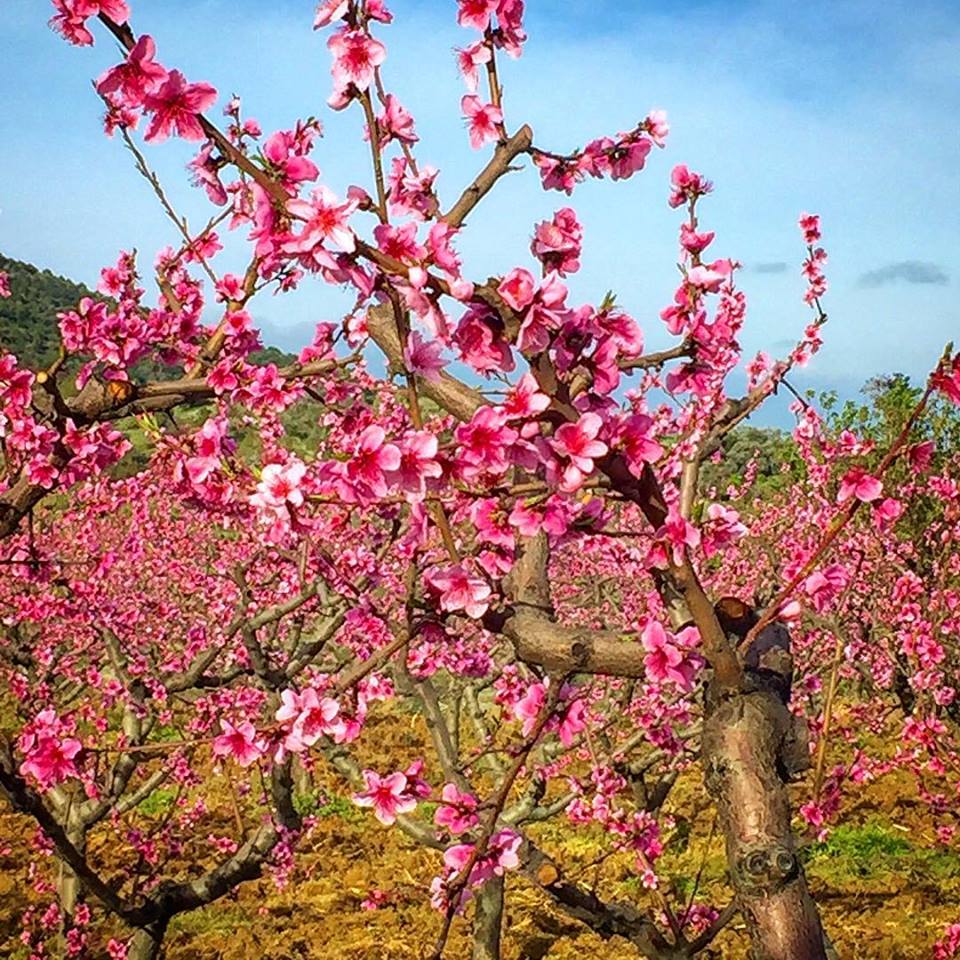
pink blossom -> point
(529, 706)
(4, 284)
(887, 512)
(176, 106)
(324, 219)
(723, 527)
(441, 250)
(457, 812)
(577, 442)
(657, 126)
(49, 755)
(70, 19)
(460, 590)
(948, 946)
(485, 441)
(396, 123)
(479, 342)
(664, 660)
(418, 464)
(387, 795)
(525, 399)
(517, 288)
(400, 242)
(328, 11)
(286, 150)
(116, 949)
(377, 10)
(636, 438)
(132, 80)
(484, 120)
(920, 455)
(823, 585)
(510, 35)
(372, 460)
(469, 59)
(710, 277)
(557, 243)
(489, 517)
(678, 534)
(694, 242)
(860, 484)
(629, 158)
(687, 185)
(501, 855)
(810, 227)
(240, 742)
(206, 173)
(790, 612)
(280, 484)
(42, 472)
(307, 717)
(503, 848)
(573, 723)
(947, 380)
(476, 13)
(355, 57)
(423, 357)
(544, 315)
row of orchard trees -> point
(539, 567)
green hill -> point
(28, 319)
(28, 329)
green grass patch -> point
(158, 802)
(878, 851)
(317, 803)
(216, 918)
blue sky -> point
(844, 108)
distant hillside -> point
(28, 319)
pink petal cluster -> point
(484, 120)
(457, 811)
(239, 743)
(501, 855)
(459, 589)
(356, 55)
(578, 445)
(280, 490)
(176, 107)
(49, 753)
(557, 242)
(857, 483)
(71, 17)
(389, 796)
(306, 716)
(666, 660)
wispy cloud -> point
(773, 266)
(906, 271)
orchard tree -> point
(508, 530)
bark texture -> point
(488, 920)
(751, 746)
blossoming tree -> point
(509, 529)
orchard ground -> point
(886, 887)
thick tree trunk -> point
(148, 944)
(750, 746)
(488, 920)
